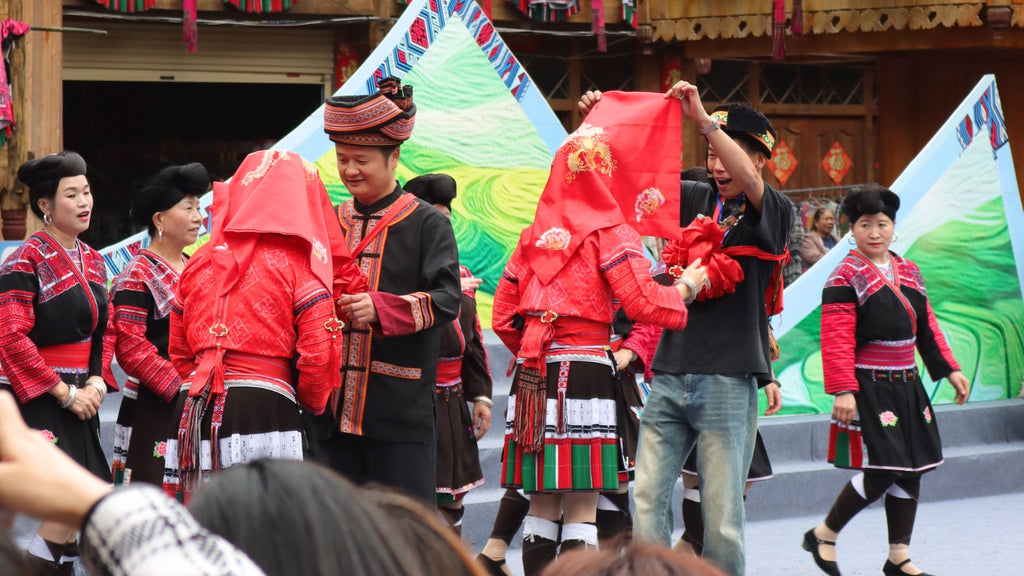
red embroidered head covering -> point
(274, 192)
(382, 119)
(620, 166)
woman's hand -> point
(962, 385)
(87, 404)
(697, 274)
(623, 357)
(470, 284)
(38, 479)
(844, 407)
(588, 100)
(481, 419)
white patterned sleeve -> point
(138, 530)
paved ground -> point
(967, 537)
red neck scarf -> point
(620, 166)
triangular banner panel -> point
(961, 221)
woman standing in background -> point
(140, 300)
(53, 299)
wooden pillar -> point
(694, 145)
(895, 113)
(754, 85)
(868, 145)
(379, 29)
(36, 75)
(575, 78)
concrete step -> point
(983, 446)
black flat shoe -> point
(890, 569)
(811, 543)
(492, 567)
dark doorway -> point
(127, 131)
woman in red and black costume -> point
(555, 303)
(462, 376)
(140, 300)
(253, 331)
(53, 299)
(874, 312)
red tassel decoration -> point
(779, 30)
(597, 24)
(798, 19)
(190, 34)
(486, 4)
(531, 409)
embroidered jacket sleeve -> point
(437, 301)
(771, 226)
(642, 341)
(318, 343)
(839, 334)
(504, 320)
(931, 342)
(476, 375)
(132, 304)
(102, 353)
(139, 531)
(627, 271)
(28, 373)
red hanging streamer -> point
(190, 34)
(779, 30)
(797, 25)
(597, 24)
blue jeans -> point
(718, 414)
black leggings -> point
(900, 509)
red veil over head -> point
(620, 166)
(277, 192)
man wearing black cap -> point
(379, 426)
(704, 392)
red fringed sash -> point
(530, 385)
(207, 385)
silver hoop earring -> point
(852, 241)
(47, 219)
(895, 236)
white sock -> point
(538, 527)
(39, 549)
(586, 533)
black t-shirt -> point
(729, 335)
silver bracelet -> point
(72, 396)
(693, 289)
(100, 387)
(484, 400)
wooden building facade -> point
(856, 96)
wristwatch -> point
(710, 127)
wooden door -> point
(810, 139)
